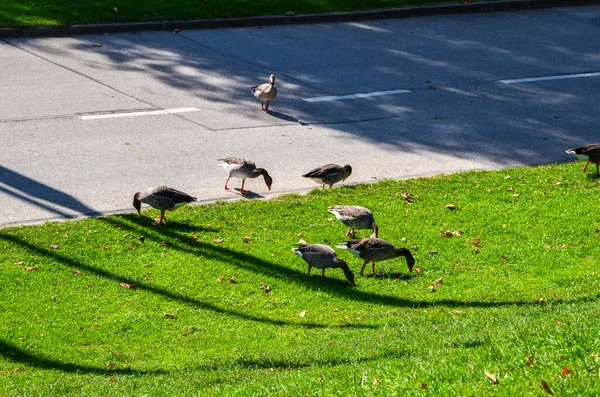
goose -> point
(329, 174)
(239, 167)
(162, 198)
(265, 93)
(376, 250)
(322, 257)
(356, 218)
(589, 153)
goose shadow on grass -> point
(15, 354)
(335, 287)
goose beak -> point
(269, 186)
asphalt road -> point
(58, 160)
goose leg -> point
(242, 189)
(372, 267)
(322, 274)
(162, 219)
(226, 182)
(323, 186)
(267, 108)
(309, 269)
(362, 269)
(585, 166)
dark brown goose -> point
(265, 93)
(322, 257)
(238, 167)
(356, 218)
(329, 174)
(589, 154)
(376, 250)
(162, 198)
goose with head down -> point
(376, 250)
(238, 167)
(356, 218)
(322, 257)
(162, 198)
(329, 174)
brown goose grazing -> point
(322, 257)
(376, 250)
(329, 174)
(239, 167)
(162, 198)
(588, 153)
(356, 218)
(265, 93)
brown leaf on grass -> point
(29, 268)
(19, 263)
(54, 246)
(439, 281)
(491, 377)
(504, 256)
(221, 278)
(218, 240)
(433, 252)
(432, 288)
(14, 371)
(271, 302)
(557, 321)
(446, 233)
(335, 309)
(246, 239)
(302, 313)
(53, 297)
(232, 280)
(547, 388)
(142, 238)
(110, 365)
(76, 272)
(419, 270)
(265, 287)
(126, 285)
(163, 243)
(566, 371)
(475, 249)
(423, 386)
(474, 241)
(529, 360)
(193, 237)
(516, 195)
(547, 246)
(457, 233)
(125, 235)
(452, 206)
(111, 379)
(562, 245)
(169, 315)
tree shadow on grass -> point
(335, 287)
(198, 303)
(16, 354)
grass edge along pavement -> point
(216, 303)
(176, 25)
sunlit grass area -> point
(505, 299)
(60, 13)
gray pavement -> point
(457, 116)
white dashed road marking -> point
(137, 114)
(560, 77)
(354, 96)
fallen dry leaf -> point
(232, 280)
(126, 285)
(302, 313)
(547, 388)
(194, 237)
(142, 238)
(457, 233)
(271, 302)
(491, 377)
(419, 270)
(432, 288)
(516, 195)
(566, 371)
(547, 246)
(432, 252)
(439, 281)
(19, 263)
(504, 256)
(29, 268)
(112, 379)
(529, 360)
(110, 365)
(218, 240)
(265, 287)
(475, 249)
(452, 206)
(474, 241)
(557, 321)
(562, 245)
(446, 233)
(423, 386)
(53, 297)
(221, 278)
(335, 309)
(169, 315)
(246, 239)
(54, 246)
(507, 177)
(76, 272)
(163, 243)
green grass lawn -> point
(60, 13)
(518, 296)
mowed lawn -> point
(60, 13)
(215, 303)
